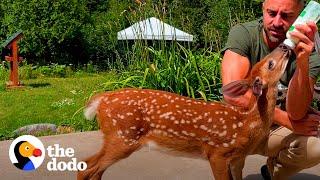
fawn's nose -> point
(286, 49)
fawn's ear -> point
(236, 88)
(257, 86)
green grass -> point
(49, 100)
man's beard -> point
(272, 38)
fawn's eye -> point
(271, 65)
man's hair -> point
(301, 2)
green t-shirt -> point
(247, 40)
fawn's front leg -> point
(236, 167)
(220, 168)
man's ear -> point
(257, 86)
(236, 88)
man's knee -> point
(313, 151)
(303, 152)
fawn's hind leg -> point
(113, 150)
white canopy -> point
(153, 29)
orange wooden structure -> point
(14, 59)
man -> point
(292, 145)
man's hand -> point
(307, 126)
(306, 35)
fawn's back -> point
(175, 122)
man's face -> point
(278, 16)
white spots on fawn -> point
(224, 127)
(232, 141)
(209, 120)
(165, 115)
(165, 105)
(225, 145)
(203, 127)
(222, 120)
(225, 112)
(234, 126)
(133, 127)
(120, 116)
(253, 125)
(153, 101)
(182, 121)
(211, 143)
(123, 102)
(235, 135)
(129, 114)
(205, 139)
(240, 124)
(114, 122)
(224, 133)
(119, 133)
(185, 133)
(176, 122)
(115, 100)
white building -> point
(153, 29)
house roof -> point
(153, 29)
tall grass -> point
(174, 68)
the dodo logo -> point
(27, 152)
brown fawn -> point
(222, 133)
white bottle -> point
(310, 13)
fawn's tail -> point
(90, 110)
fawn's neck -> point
(266, 104)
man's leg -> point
(290, 153)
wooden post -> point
(14, 74)
(12, 44)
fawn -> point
(222, 133)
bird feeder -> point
(12, 44)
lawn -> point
(49, 100)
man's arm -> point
(235, 67)
(300, 89)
